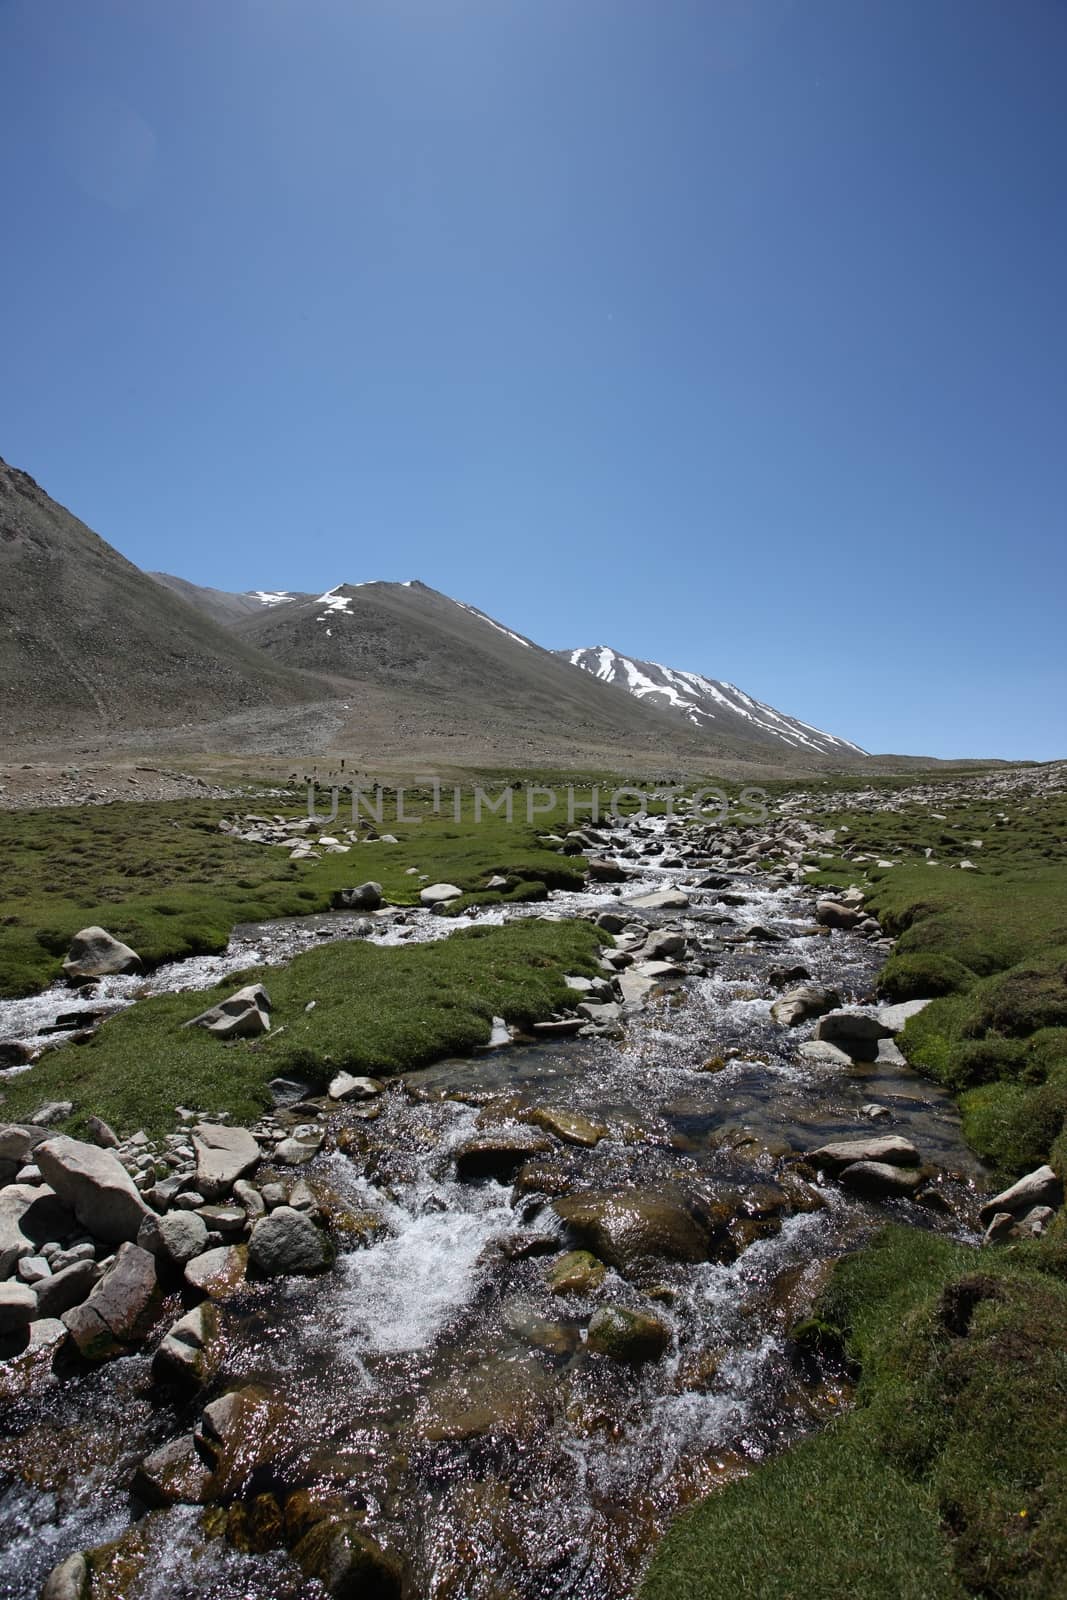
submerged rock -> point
(191, 1351)
(625, 1335)
(577, 1272)
(632, 1227)
(347, 1561)
(499, 1154)
(570, 1126)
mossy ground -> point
(378, 1010)
(948, 1479)
(164, 879)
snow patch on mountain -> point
(701, 700)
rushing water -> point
(435, 1381)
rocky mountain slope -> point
(708, 703)
(90, 645)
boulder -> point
(30, 1214)
(822, 1050)
(577, 1272)
(660, 900)
(287, 1241)
(630, 1228)
(878, 1180)
(244, 1014)
(1039, 1188)
(628, 1336)
(499, 1153)
(832, 914)
(95, 953)
(438, 894)
(661, 943)
(570, 1126)
(364, 897)
(70, 1580)
(238, 1433)
(96, 1186)
(808, 1000)
(347, 1562)
(218, 1272)
(299, 1148)
(347, 1087)
(222, 1156)
(896, 1016)
(173, 1475)
(120, 1308)
(18, 1307)
(66, 1288)
(889, 1150)
(178, 1236)
(602, 869)
(18, 1140)
(854, 1031)
(190, 1353)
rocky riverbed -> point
(479, 1332)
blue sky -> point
(727, 332)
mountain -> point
(222, 606)
(436, 673)
(707, 703)
(90, 645)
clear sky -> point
(730, 333)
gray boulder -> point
(878, 1180)
(95, 953)
(178, 1236)
(854, 1031)
(661, 900)
(438, 894)
(832, 914)
(190, 1353)
(287, 1241)
(95, 1185)
(896, 1016)
(30, 1214)
(18, 1307)
(120, 1309)
(66, 1288)
(364, 897)
(346, 1087)
(808, 1000)
(889, 1150)
(1039, 1188)
(222, 1156)
(244, 1014)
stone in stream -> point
(18, 1307)
(191, 1351)
(70, 1580)
(577, 1272)
(218, 1272)
(96, 1186)
(438, 894)
(600, 1011)
(66, 1288)
(120, 1308)
(95, 953)
(285, 1242)
(630, 1228)
(627, 1336)
(896, 1016)
(342, 1556)
(570, 1126)
(890, 1150)
(1039, 1188)
(660, 900)
(177, 1237)
(241, 1015)
(808, 1000)
(173, 1475)
(239, 1432)
(602, 869)
(500, 1153)
(832, 914)
(364, 897)
(822, 1050)
(854, 1031)
(222, 1156)
(878, 1180)
(344, 1086)
(299, 1148)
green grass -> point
(378, 1010)
(949, 1478)
(162, 878)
